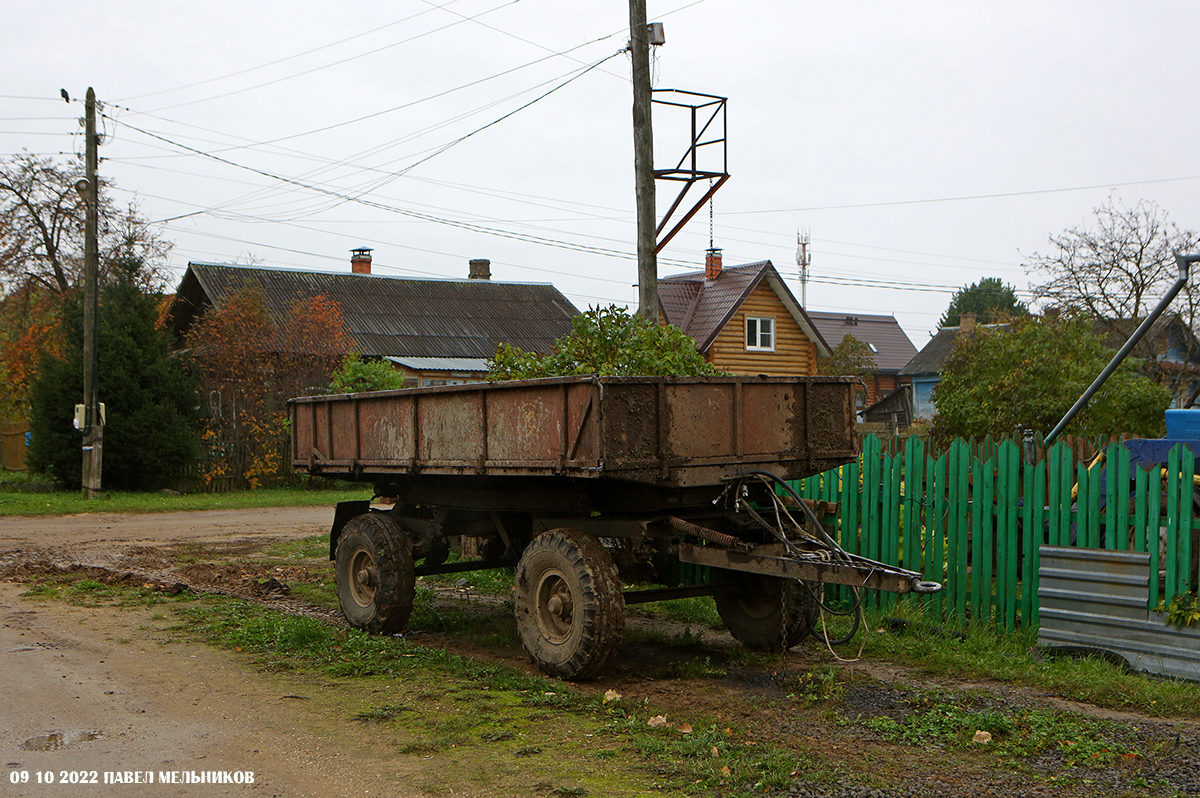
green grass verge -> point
(493, 702)
(1013, 657)
(70, 503)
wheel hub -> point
(555, 607)
(364, 577)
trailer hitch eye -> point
(919, 586)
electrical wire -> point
(284, 59)
(390, 175)
(968, 197)
(413, 214)
(354, 57)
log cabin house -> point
(744, 318)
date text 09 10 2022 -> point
(132, 777)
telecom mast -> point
(803, 258)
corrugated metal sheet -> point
(1096, 599)
(398, 316)
(442, 363)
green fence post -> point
(914, 501)
(959, 514)
(851, 501)
(1118, 515)
(1141, 478)
(890, 531)
(1035, 519)
(935, 546)
(1174, 477)
(1154, 497)
(1008, 495)
(1183, 563)
(981, 541)
(872, 488)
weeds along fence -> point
(973, 516)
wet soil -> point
(78, 688)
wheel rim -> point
(364, 576)
(555, 606)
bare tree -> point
(1115, 271)
(1117, 267)
(42, 221)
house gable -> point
(793, 353)
(714, 313)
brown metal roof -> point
(396, 316)
(702, 307)
(893, 349)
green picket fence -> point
(973, 518)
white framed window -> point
(760, 333)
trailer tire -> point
(569, 606)
(375, 578)
(755, 612)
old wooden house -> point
(435, 331)
(744, 318)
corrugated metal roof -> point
(702, 307)
(396, 316)
(442, 363)
(929, 360)
(893, 347)
(931, 357)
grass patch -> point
(85, 591)
(1016, 733)
(699, 611)
(72, 502)
(479, 702)
(490, 582)
(985, 653)
(310, 548)
(323, 594)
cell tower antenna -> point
(803, 259)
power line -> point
(391, 175)
(354, 57)
(284, 59)
(254, 143)
(965, 198)
(413, 214)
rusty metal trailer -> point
(584, 484)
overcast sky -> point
(923, 145)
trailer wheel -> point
(755, 613)
(569, 606)
(375, 578)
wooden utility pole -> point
(93, 430)
(643, 162)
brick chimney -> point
(481, 269)
(966, 323)
(712, 264)
(360, 260)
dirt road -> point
(91, 693)
(105, 534)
